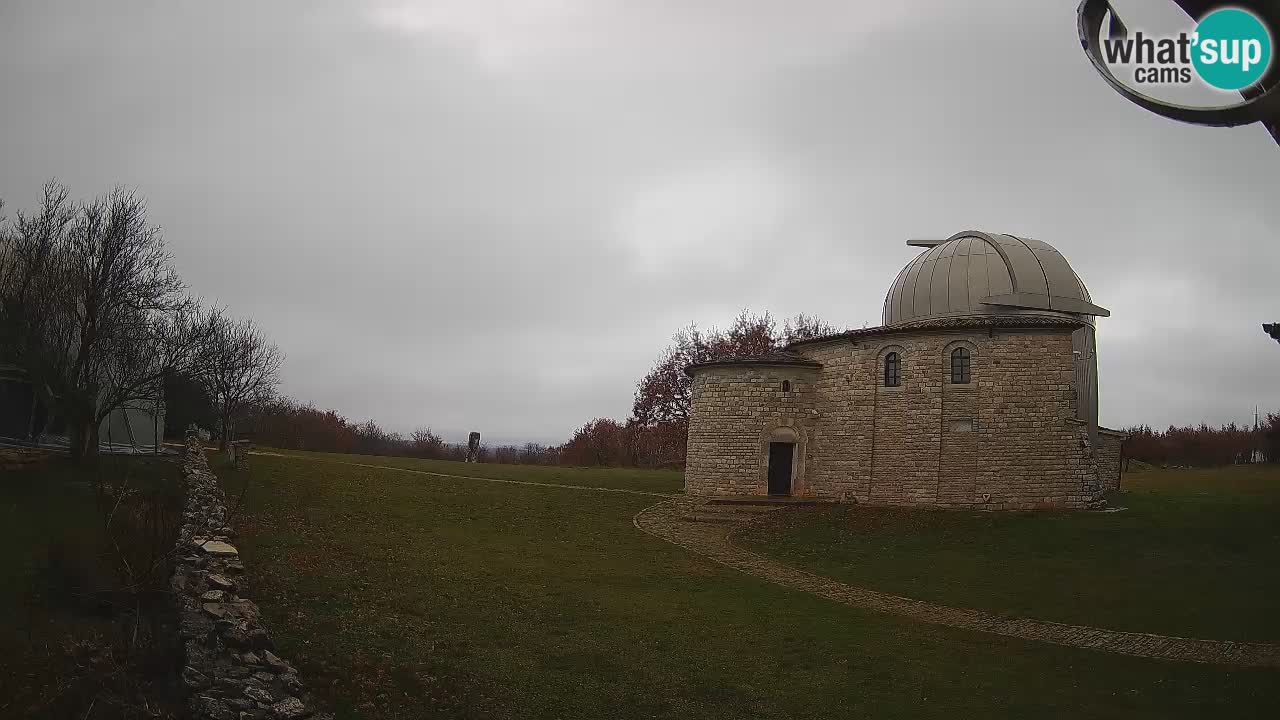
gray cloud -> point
(492, 216)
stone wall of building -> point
(737, 410)
(232, 671)
(1110, 456)
(1003, 441)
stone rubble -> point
(232, 671)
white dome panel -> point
(978, 273)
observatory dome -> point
(979, 274)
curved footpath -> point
(707, 529)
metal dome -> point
(977, 273)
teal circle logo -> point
(1232, 49)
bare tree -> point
(663, 395)
(92, 308)
(805, 327)
(243, 369)
(426, 444)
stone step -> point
(767, 501)
(740, 509)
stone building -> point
(978, 391)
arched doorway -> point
(782, 453)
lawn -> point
(658, 481)
(1193, 553)
(404, 595)
(68, 646)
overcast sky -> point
(493, 215)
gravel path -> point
(707, 530)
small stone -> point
(213, 596)
(239, 671)
(258, 638)
(216, 709)
(258, 683)
(220, 582)
(230, 685)
(258, 695)
(291, 708)
(215, 609)
(246, 609)
(263, 677)
(235, 636)
(194, 679)
(251, 658)
(216, 548)
(292, 683)
(275, 663)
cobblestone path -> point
(707, 529)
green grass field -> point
(406, 596)
(1192, 554)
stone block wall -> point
(737, 411)
(232, 671)
(1109, 454)
(1005, 440)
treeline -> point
(284, 423)
(1205, 446)
(605, 442)
(657, 432)
(654, 436)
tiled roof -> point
(1004, 321)
(771, 358)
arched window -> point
(892, 376)
(786, 386)
(960, 362)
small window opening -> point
(786, 386)
(960, 366)
(892, 366)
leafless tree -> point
(92, 308)
(242, 370)
(426, 444)
(805, 327)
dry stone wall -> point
(232, 671)
(1005, 440)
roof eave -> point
(1009, 322)
(797, 364)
